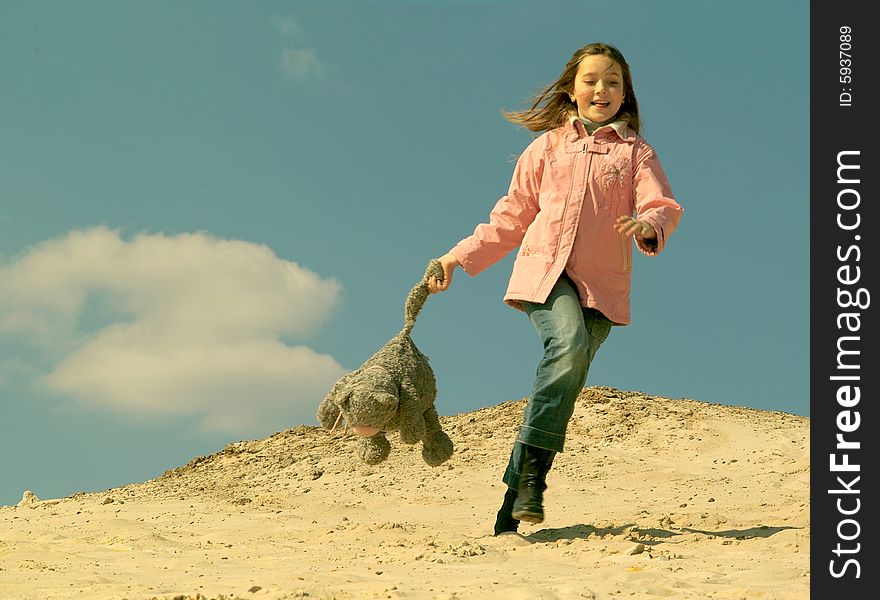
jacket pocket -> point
(536, 242)
(528, 271)
(625, 245)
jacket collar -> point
(619, 127)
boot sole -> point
(529, 517)
(500, 532)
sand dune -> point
(653, 498)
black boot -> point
(528, 505)
(504, 521)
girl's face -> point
(598, 88)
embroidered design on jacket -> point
(613, 173)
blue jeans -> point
(571, 335)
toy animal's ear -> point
(328, 412)
(387, 400)
(344, 401)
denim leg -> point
(571, 336)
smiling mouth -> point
(600, 104)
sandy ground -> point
(653, 498)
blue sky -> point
(210, 210)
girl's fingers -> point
(625, 222)
(629, 226)
(435, 286)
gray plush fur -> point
(394, 390)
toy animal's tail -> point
(417, 296)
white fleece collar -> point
(619, 126)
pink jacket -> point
(567, 190)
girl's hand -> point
(627, 225)
(448, 262)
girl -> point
(570, 210)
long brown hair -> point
(552, 106)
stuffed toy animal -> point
(394, 390)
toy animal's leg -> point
(436, 447)
(374, 450)
(412, 418)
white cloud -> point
(301, 63)
(173, 325)
(298, 61)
